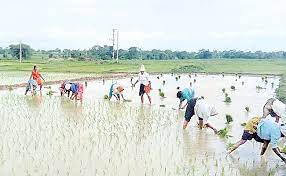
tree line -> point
(105, 53)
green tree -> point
(15, 51)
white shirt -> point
(204, 110)
(143, 78)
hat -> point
(279, 108)
(283, 129)
(142, 68)
(68, 86)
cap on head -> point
(279, 108)
(283, 129)
(142, 68)
(68, 86)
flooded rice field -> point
(51, 135)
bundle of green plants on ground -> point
(228, 118)
(161, 94)
(223, 133)
(227, 99)
(247, 109)
(232, 87)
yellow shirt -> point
(251, 125)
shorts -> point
(141, 90)
(248, 136)
(190, 111)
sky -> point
(149, 24)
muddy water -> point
(50, 135)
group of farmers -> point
(266, 129)
(72, 89)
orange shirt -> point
(36, 76)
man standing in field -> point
(145, 84)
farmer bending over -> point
(116, 90)
(31, 86)
(185, 94)
(145, 84)
(203, 111)
(271, 132)
(65, 88)
(272, 107)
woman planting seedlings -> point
(186, 94)
(145, 84)
(65, 88)
(273, 107)
(271, 132)
(116, 90)
(31, 86)
(76, 89)
(203, 111)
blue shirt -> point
(74, 87)
(269, 130)
(187, 94)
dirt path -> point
(117, 76)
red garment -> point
(147, 88)
(36, 76)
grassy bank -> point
(215, 65)
(248, 66)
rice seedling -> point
(283, 150)
(106, 97)
(195, 80)
(10, 88)
(161, 94)
(262, 78)
(232, 87)
(223, 90)
(259, 87)
(228, 118)
(242, 83)
(227, 99)
(178, 88)
(164, 82)
(266, 81)
(223, 133)
(50, 93)
(239, 76)
(272, 84)
(158, 77)
(85, 83)
(177, 78)
(230, 145)
(247, 109)
(243, 124)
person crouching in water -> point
(185, 94)
(31, 86)
(203, 111)
(65, 88)
(116, 90)
(145, 84)
(76, 90)
(274, 108)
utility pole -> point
(117, 36)
(113, 43)
(20, 54)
